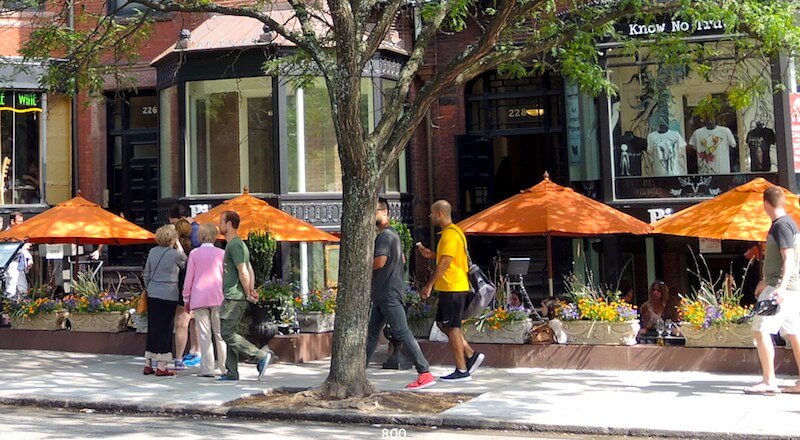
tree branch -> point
(387, 17)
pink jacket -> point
(202, 286)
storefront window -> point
(231, 136)
(20, 146)
(313, 150)
(674, 135)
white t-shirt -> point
(667, 152)
(713, 149)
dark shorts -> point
(452, 306)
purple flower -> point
(570, 312)
(626, 313)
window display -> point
(673, 132)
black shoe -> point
(474, 362)
(457, 376)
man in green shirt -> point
(238, 288)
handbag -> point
(481, 288)
(141, 306)
(542, 334)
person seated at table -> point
(658, 306)
(626, 293)
(515, 302)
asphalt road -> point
(35, 423)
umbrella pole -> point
(550, 265)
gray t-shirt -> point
(161, 273)
(388, 280)
(782, 235)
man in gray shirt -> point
(387, 296)
(781, 283)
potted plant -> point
(94, 310)
(318, 312)
(262, 246)
(276, 298)
(420, 313)
(498, 326)
(38, 312)
(596, 316)
(713, 317)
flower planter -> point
(510, 333)
(601, 333)
(421, 328)
(43, 321)
(728, 335)
(140, 322)
(105, 322)
(315, 322)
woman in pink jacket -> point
(202, 293)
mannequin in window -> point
(667, 150)
(713, 144)
(760, 141)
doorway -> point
(133, 186)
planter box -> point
(45, 321)
(140, 322)
(421, 328)
(106, 322)
(601, 333)
(315, 322)
(729, 335)
(511, 333)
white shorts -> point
(787, 320)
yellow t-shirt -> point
(453, 244)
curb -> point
(355, 418)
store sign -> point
(657, 214)
(794, 112)
(20, 102)
(667, 25)
(683, 187)
(574, 137)
(710, 246)
(198, 209)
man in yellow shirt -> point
(450, 281)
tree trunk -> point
(347, 377)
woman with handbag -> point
(202, 294)
(161, 273)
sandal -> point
(762, 389)
(791, 390)
(160, 372)
(148, 370)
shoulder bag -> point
(141, 306)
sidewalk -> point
(617, 402)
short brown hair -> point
(166, 235)
(207, 233)
(775, 197)
(231, 216)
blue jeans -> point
(392, 311)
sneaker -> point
(225, 378)
(474, 362)
(457, 376)
(424, 380)
(192, 361)
(164, 373)
(262, 365)
(179, 365)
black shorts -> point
(452, 306)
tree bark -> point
(347, 377)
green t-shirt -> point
(236, 253)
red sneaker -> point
(149, 370)
(424, 380)
(160, 372)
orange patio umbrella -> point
(78, 221)
(734, 215)
(257, 214)
(551, 210)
